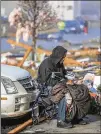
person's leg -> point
(62, 109)
(61, 115)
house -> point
(66, 10)
(7, 7)
(69, 10)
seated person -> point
(54, 63)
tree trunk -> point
(34, 56)
(34, 50)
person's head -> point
(62, 60)
(58, 55)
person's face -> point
(62, 60)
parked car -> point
(72, 26)
(49, 37)
(17, 92)
(81, 21)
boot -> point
(82, 122)
(79, 121)
(62, 124)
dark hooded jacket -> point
(52, 64)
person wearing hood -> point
(54, 63)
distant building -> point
(7, 7)
(68, 10)
(90, 10)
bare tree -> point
(34, 15)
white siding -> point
(8, 6)
(77, 8)
(61, 8)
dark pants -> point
(61, 109)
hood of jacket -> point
(57, 54)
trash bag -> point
(58, 92)
(81, 100)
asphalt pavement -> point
(93, 126)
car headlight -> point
(73, 28)
(9, 85)
(81, 26)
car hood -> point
(13, 72)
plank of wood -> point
(23, 126)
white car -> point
(17, 92)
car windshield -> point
(72, 23)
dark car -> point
(72, 26)
(81, 22)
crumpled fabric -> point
(58, 92)
(81, 99)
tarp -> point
(81, 99)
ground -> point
(50, 127)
